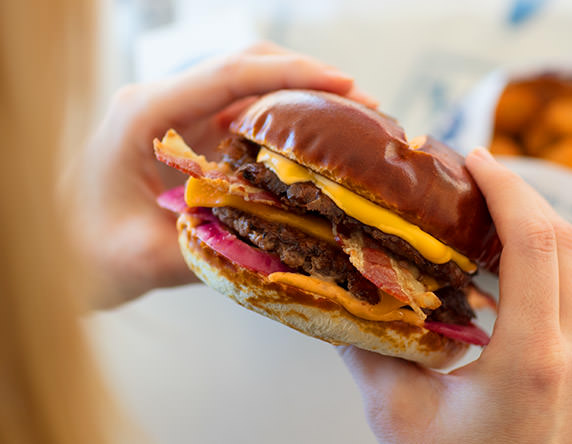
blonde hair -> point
(49, 390)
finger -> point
(394, 391)
(369, 369)
(267, 47)
(231, 112)
(358, 95)
(563, 232)
(204, 137)
(144, 255)
(212, 86)
(262, 74)
(529, 262)
(173, 271)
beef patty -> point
(299, 251)
(454, 309)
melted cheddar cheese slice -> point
(388, 309)
(201, 192)
(365, 211)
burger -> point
(323, 216)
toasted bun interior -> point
(311, 314)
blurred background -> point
(417, 57)
(190, 366)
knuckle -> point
(548, 370)
(537, 235)
(547, 375)
(300, 62)
(232, 64)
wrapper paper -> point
(471, 125)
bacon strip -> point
(173, 151)
(375, 265)
(388, 274)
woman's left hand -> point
(131, 243)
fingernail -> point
(483, 154)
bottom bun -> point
(314, 315)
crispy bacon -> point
(173, 151)
(375, 265)
(394, 277)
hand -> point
(520, 389)
(131, 243)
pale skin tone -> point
(519, 390)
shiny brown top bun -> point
(368, 153)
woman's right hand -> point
(520, 389)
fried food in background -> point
(534, 118)
(560, 152)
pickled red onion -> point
(226, 244)
(470, 333)
(173, 200)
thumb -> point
(374, 370)
(397, 394)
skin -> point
(130, 242)
(520, 389)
